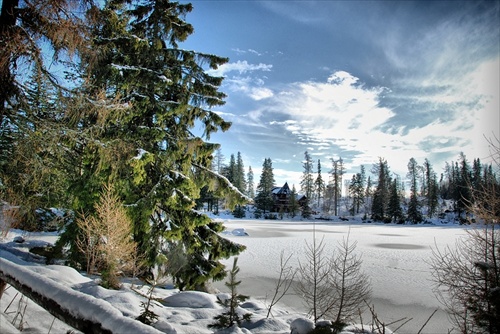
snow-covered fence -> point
(79, 310)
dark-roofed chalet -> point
(281, 198)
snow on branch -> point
(160, 76)
(226, 182)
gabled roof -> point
(285, 190)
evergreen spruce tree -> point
(463, 193)
(307, 180)
(394, 210)
(250, 183)
(357, 190)
(240, 181)
(231, 316)
(381, 193)
(235, 173)
(143, 143)
(31, 168)
(432, 190)
(26, 26)
(368, 195)
(319, 184)
(306, 209)
(328, 198)
(218, 167)
(218, 161)
(239, 211)
(490, 179)
(476, 177)
(264, 199)
(445, 182)
(455, 186)
(293, 204)
(414, 214)
(352, 193)
(232, 170)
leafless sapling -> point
(284, 282)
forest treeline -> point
(379, 194)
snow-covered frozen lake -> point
(395, 257)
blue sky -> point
(353, 79)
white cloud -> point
(344, 116)
(251, 87)
(257, 93)
(240, 66)
(306, 12)
(238, 51)
(466, 107)
(337, 111)
(255, 52)
(284, 175)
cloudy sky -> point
(353, 79)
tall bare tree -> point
(336, 173)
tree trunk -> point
(7, 22)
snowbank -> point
(80, 305)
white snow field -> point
(395, 257)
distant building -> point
(281, 197)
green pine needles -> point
(129, 123)
(232, 315)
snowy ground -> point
(395, 257)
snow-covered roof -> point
(282, 190)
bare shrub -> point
(9, 218)
(88, 240)
(467, 276)
(333, 287)
(284, 283)
(467, 280)
(313, 280)
(352, 286)
(106, 239)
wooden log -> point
(84, 325)
(81, 311)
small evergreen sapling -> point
(228, 318)
(147, 316)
